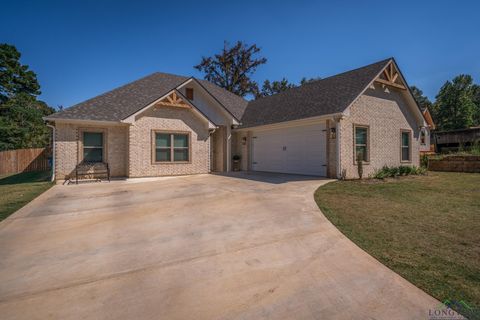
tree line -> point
(456, 106)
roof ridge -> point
(325, 96)
(323, 79)
(207, 81)
(352, 70)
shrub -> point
(424, 161)
(475, 149)
(360, 165)
(391, 172)
(404, 170)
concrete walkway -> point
(199, 247)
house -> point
(427, 145)
(166, 124)
(456, 140)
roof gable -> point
(173, 99)
(326, 96)
(122, 102)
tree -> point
(21, 124)
(476, 100)
(305, 80)
(274, 87)
(455, 106)
(15, 77)
(233, 68)
(421, 99)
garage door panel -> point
(299, 150)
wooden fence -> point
(24, 160)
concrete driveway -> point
(199, 247)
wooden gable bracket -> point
(391, 77)
(173, 100)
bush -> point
(424, 161)
(475, 149)
(391, 172)
(360, 165)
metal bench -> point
(92, 169)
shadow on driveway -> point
(269, 177)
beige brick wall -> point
(241, 148)
(386, 112)
(331, 151)
(165, 118)
(68, 148)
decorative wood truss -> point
(391, 77)
(173, 100)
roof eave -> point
(83, 121)
(337, 115)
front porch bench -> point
(92, 169)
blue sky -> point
(82, 48)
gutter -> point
(53, 151)
(296, 122)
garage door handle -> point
(284, 148)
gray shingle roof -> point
(326, 96)
(234, 104)
(321, 97)
(122, 102)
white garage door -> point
(299, 150)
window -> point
(423, 136)
(361, 143)
(405, 149)
(189, 93)
(172, 147)
(93, 146)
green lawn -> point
(425, 228)
(19, 189)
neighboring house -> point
(426, 143)
(165, 124)
(455, 140)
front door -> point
(217, 150)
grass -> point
(19, 189)
(425, 228)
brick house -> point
(166, 124)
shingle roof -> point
(321, 97)
(233, 103)
(122, 102)
(326, 96)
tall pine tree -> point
(21, 124)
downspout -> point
(210, 134)
(53, 152)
